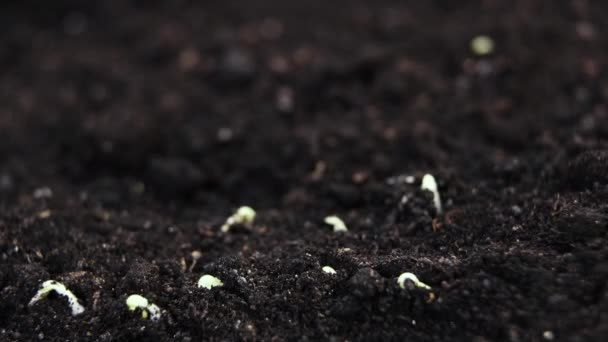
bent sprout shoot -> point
(51, 285)
(337, 223)
(429, 184)
(244, 215)
(413, 278)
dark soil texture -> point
(131, 130)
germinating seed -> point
(244, 215)
(429, 184)
(413, 278)
(328, 270)
(208, 282)
(136, 301)
(337, 223)
(60, 289)
(482, 45)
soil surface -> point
(131, 130)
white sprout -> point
(195, 256)
(328, 270)
(136, 301)
(208, 281)
(429, 184)
(482, 45)
(244, 215)
(51, 285)
(337, 223)
(412, 277)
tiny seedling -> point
(60, 289)
(208, 282)
(136, 301)
(337, 223)
(482, 45)
(328, 270)
(411, 277)
(195, 256)
(429, 184)
(244, 215)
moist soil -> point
(131, 130)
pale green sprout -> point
(60, 289)
(482, 45)
(328, 270)
(244, 215)
(208, 281)
(136, 301)
(429, 184)
(337, 223)
(413, 278)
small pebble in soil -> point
(516, 210)
(284, 99)
(6, 181)
(585, 30)
(188, 59)
(360, 177)
(224, 134)
(400, 180)
(484, 68)
(278, 64)
(236, 67)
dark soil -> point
(132, 129)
